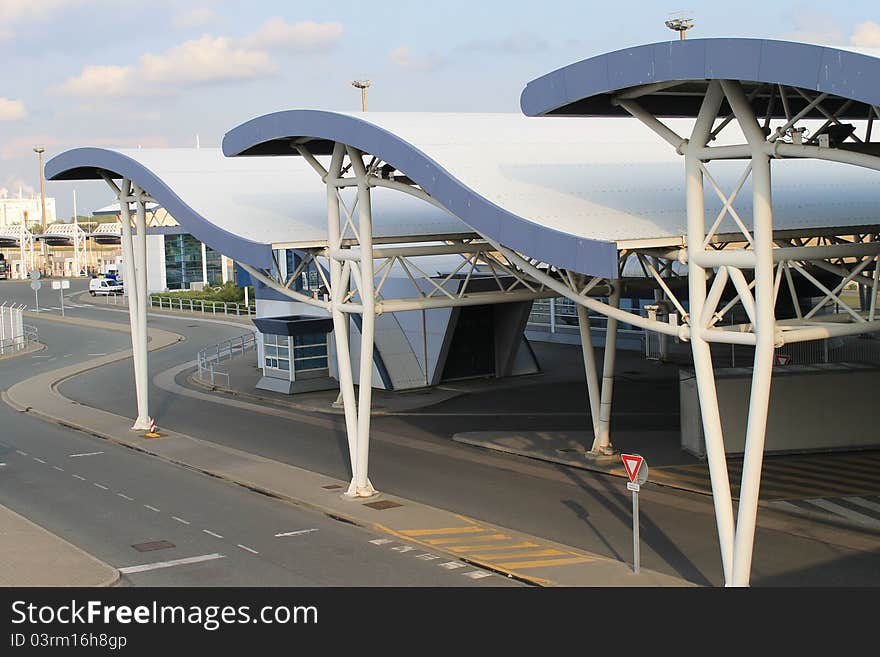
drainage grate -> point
(381, 505)
(153, 545)
(332, 487)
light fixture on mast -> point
(679, 23)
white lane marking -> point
(57, 468)
(68, 355)
(39, 460)
(168, 564)
(245, 547)
(403, 548)
(868, 504)
(477, 574)
(152, 508)
(427, 556)
(296, 533)
(210, 533)
(381, 541)
(22, 453)
(2, 464)
(78, 477)
(185, 522)
(102, 354)
(451, 565)
(101, 486)
(73, 456)
(842, 511)
(125, 497)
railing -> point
(209, 357)
(202, 306)
(558, 317)
(15, 335)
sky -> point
(156, 73)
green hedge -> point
(228, 292)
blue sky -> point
(158, 72)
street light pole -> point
(39, 150)
(362, 85)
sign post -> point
(61, 286)
(637, 471)
(35, 286)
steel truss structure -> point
(719, 253)
(77, 238)
(25, 241)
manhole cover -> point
(381, 505)
(332, 487)
(153, 545)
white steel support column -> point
(130, 282)
(705, 376)
(602, 443)
(590, 369)
(140, 265)
(362, 485)
(338, 292)
(765, 334)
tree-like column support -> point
(592, 375)
(765, 334)
(134, 300)
(704, 373)
(602, 443)
(140, 266)
(361, 484)
(338, 293)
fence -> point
(202, 306)
(557, 317)
(15, 335)
(209, 357)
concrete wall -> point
(812, 407)
(156, 263)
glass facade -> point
(309, 354)
(215, 266)
(183, 261)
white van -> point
(105, 286)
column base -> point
(141, 425)
(359, 492)
(605, 450)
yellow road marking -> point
(543, 564)
(459, 539)
(479, 546)
(471, 529)
(520, 555)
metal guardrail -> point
(202, 306)
(15, 335)
(209, 357)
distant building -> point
(15, 211)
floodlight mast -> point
(680, 25)
(362, 85)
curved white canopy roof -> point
(245, 207)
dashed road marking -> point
(451, 565)
(125, 497)
(58, 468)
(152, 508)
(247, 549)
(168, 564)
(78, 477)
(22, 453)
(296, 533)
(210, 533)
(101, 486)
(427, 556)
(381, 541)
(181, 520)
(477, 574)
(74, 456)
(39, 460)
(403, 548)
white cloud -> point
(208, 59)
(205, 60)
(405, 59)
(11, 110)
(101, 81)
(306, 36)
(200, 17)
(866, 35)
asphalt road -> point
(413, 457)
(109, 500)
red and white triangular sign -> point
(632, 463)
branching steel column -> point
(765, 330)
(362, 485)
(338, 292)
(696, 219)
(602, 443)
(590, 369)
(140, 266)
(131, 289)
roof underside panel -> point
(586, 88)
(242, 207)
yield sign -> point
(632, 463)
